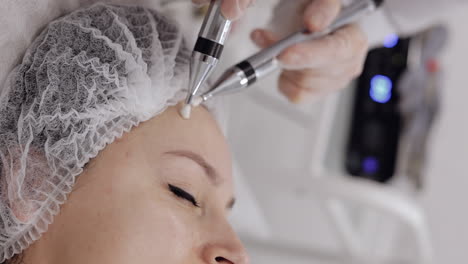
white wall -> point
(446, 197)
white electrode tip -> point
(186, 111)
(197, 101)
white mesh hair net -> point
(89, 77)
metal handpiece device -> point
(208, 48)
(263, 63)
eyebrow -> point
(210, 171)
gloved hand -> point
(231, 9)
(318, 67)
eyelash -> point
(183, 194)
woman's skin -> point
(129, 207)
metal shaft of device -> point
(208, 48)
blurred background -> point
(317, 183)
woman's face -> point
(160, 194)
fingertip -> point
(313, 22)
(297, 95)
(234, 9)
(263, 38)
(229, 11)
(321, 13)
(290, 91)
(257, 38)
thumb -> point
(263, 38)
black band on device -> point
(209, 47)
(248, 70)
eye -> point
(183, 194)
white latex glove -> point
(317, 67)
(231, 9)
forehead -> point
(169, 132)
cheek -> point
(150, 229)
(133, 227)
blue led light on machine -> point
(381, 89)
(370, 165)
(391, 41)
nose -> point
(224, 247)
